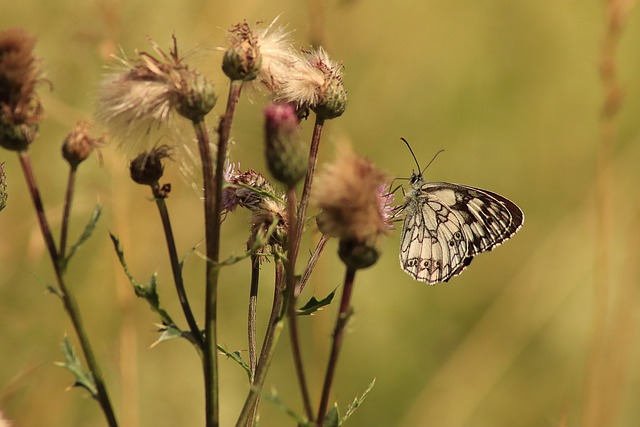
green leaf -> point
(147, 291)
(236, 357)
(332, 419)
(88, 230)
(275, 399)
(84, 379)
(314, 304)
(357, 402)
(188, 254)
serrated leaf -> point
(236, 357)
(357, 402)
(332, 419)
(83, 378)
(169, 332)
(314, 304)
(88, 230)
(147, 292)
(275, 399)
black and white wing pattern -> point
(446, 225)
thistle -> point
(20, 107)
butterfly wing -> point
(446, 225)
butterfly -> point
(446, 225)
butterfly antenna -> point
(434, 157)
(414, 156)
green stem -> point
(251, 322)
(292, 255)
(67, 209)
(213, 182)
(272, 334)
(308, 181)
(176, 270)
(68, 300)
(338, 337)
(315, 256)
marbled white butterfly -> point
(446, 225)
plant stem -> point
(68, 300)
(67, 209)
(213, 212)
(311, 264)
(338, 337)
(292, 254)
(308, 181)
(272, 334)
(176, 270)
(595, 401)
(253, 303)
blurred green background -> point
(511, 91)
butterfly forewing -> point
(447, 224)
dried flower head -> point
(316, 83)
(147, 168)
(252, 191)
(20, 108)
(3, 187)
(78, 145)
(242, 60)
(347, 192)
(310, 80)
(144, 95)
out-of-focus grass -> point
(509, 89)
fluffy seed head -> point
(347, 194)
(143, 96)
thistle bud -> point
(242, 60)
(78, 145)
(197, 99)
(332, 102)
(286, 156)
(147, 167)
(357, 255)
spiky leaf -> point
(88, 230)
(83, 378)
(315, 304)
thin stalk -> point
(294, 335)
(213, 213)
(308, 181)
(315, 256)
(594, 401)
(338, 337)
(274, 328)
(176, 270)
(68, 199)
(251, 322)
(68, 300)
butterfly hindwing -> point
(447, 224)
